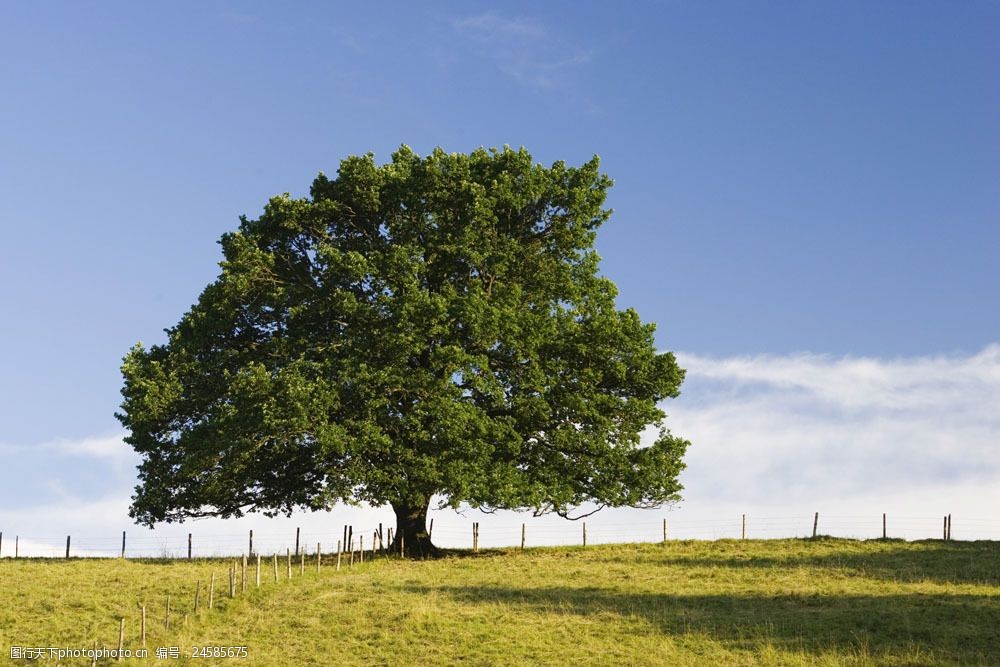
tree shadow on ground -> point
(903, 562)
(960, 628)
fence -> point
(256, 560)
(200, 597)
(471, 535)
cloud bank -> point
(776, 437)
(849, 435)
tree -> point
(432, 327)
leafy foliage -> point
(434, 326)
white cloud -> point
(107, 447)
(100, 447)
(950, 382)
(780, 433)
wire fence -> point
(465, 534)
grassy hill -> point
(776, 602)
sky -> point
(806, 204)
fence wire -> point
(458, 534)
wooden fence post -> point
(523, 536)
(288, 557)
(949, 527)
(319, 557)
(381, 542)
(297, 533)
(143, 629)
(345, 537)
(189, 546)
(430, 531)
(584, 533)
(302, 562)
(123, 544)
(361, 548)
(275, 568)
(67, 546)
(17, 539)
(884, 531)
(243, 574)
(250, 547)
(944, 528)
(815, 523)
(338, 555)
(232, 580)
(664, 530)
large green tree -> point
(432, 327)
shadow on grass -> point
(960, 628)
(892, 560)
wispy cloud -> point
(491, 27)
(239, 17)
(522, 48)
(99, 447)
(955, 382)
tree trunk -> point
(411, 528)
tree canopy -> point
(435, 326)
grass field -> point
(776, 602)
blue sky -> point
(792, 179)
